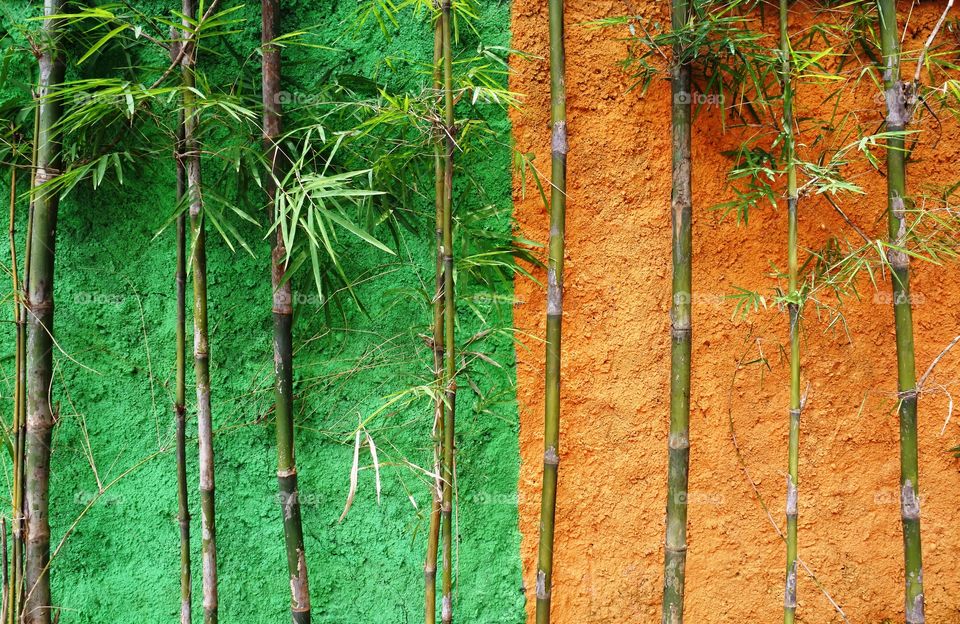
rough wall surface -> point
(616, 366)
(119, 562)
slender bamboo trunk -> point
(40, 417)
(11, 583)
(433, 538)
(558, 204)
(201, 348)
(794, 309)
(899, 104)
(450, 319)
(3, 567)
(180, 407)
(675, 549)
(17, 594)
(282, 329)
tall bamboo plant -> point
(450, 319)
(433, 537)
(794, 302)
(40, 416)
(282, 325)
(558, 201)
(180, 407)
(675, 550)
(898, 95)
(201, 348)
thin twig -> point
(926, 46)
(847, 219)
(936, 361)
(182, 47)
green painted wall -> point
(114, 317)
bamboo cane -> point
(675, 547)
(180, 408)
(40, 416)
(282, 329)
(16, 576)
(551, 422)
(201, 349)
(794, 309)
(11, 580)
(433, 538)
(898, 97)
(450, 368)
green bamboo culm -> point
(449, 312)
(16, 594)
(180, 404)
(289, 495)
(558, 204)
(11, 579)
(898, 96)
(201, 347)
(794, 310)
(433, 537)
(40, 417)
(675, 547)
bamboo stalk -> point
(40, 416)
(433, 537)
(675, 546)
(16, 576)
(5, 581)
(11, 581)
(794, 309)
(282, 329)
(551, 421)
(180, 408)
(450, 310)
(898, 104)
(201, 348)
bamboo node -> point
(907, 395)
(792, 496)
(909, 503)
(543, 593)
(554, 293)
(915, 610)
(790, 588)
(679, 441)
(558, 143)
(550, 456)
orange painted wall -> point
(616, 361)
